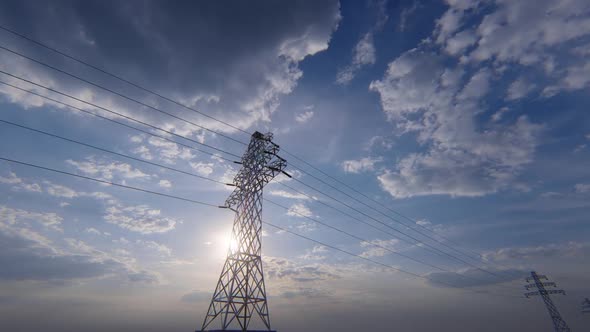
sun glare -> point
(224, 242)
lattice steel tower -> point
(240, 293)
(558, 322)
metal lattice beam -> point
(240, 294)
(558, 323)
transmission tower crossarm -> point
(545, 284)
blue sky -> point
(467, 116)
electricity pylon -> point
(586, 306)
(558, 323)
(240, 293)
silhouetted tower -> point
(558, 322)
(586, 306)
(240, 293)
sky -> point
(465, 120)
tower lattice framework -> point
(240, 294)
(535, 282)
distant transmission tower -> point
(240, 293)
(558, 322)
(586, 306)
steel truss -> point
(240, 293)
(558, 323)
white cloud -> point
(361, 165)
(287, 270)
(107, 170)
(11, 179)
(165, 184)
(421, 96)
(32, 187)
(569, 249)
(299, 210)
(286, 194)
(316, 253)
(378, 248)
(575, 77)
(379, 141)
(460, 42)
(423, 222)
(531, 33)
(203, 169)
(162, 249)
(92, 230)
(19, 184)
(477, 86)
(523, 31)
(304, 117)
(582, 188)
(363, 55)
(41, 259)
(405, 15)
(139, 218)
(136, 138)
(143, 152)
(499, 114)
(169, 152)
(59, 190)
(13, 216)
(518, 89)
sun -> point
(225, 242)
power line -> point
(396, 230)
(225, 207)
(373, 209)
(395, 220)
(119, 78)
(358, 237)
(118, 114)
(374, 244)
(229, 184)
(355, 218)
(119, 94)
(138, 86)
(382, 264)
(110, 183)
(217, 149)
(114, 153)
(414, 222)
(204, 128)
(39, 43)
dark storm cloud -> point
(244, 53)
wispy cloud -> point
(304, 117)
(107, 170)
(139, 218)
(299, 210)
(361, 165)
